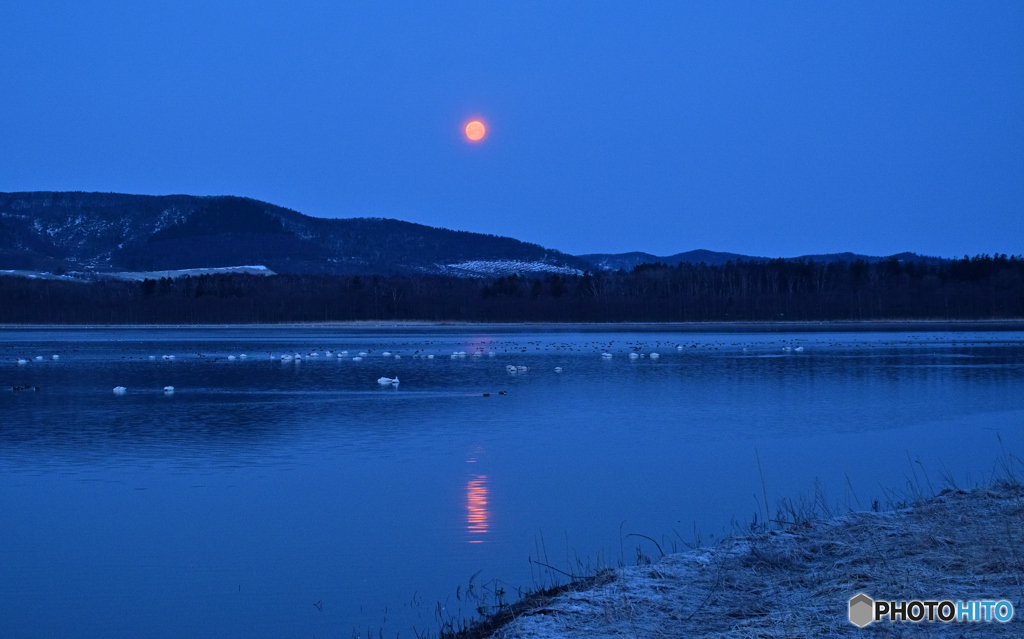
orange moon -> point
(476, 131)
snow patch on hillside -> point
(193, 272)
(487, 268)
(35, 275)
(138, 276)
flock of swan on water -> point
(635, 353)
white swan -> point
(386, 354)
(120, 390)
(384, 381)
(152, 357)
(430, 357)
(606, 355)
(799, 349)
(634, 356)
(22, 362)
(558, 369)
(55, 357)
(510, 368)
(357, 359)
(169, 390)
(231, 358)
(655, 356)
(243, 356)
(39, 358)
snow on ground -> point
(35, 275)
(477, 268)
(155, 275)
(140, 275)
(797, 581)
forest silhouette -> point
(982, 287)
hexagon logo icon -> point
(861, 610)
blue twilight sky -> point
(766, 128)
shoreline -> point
(835, 326)
(796, 580)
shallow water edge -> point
(864, 326)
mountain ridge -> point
(627, 261)
(47, 230)
(65, 231)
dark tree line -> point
(982, 287)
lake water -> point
(302, 498)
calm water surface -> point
(260, 488)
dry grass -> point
(795, 581)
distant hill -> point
(627, 261)
(70, 231)
(852, 257)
